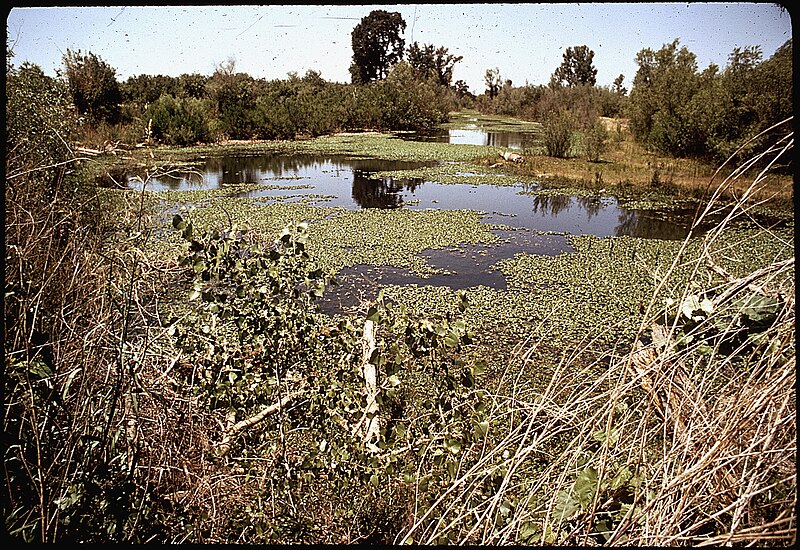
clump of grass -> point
(687, 436)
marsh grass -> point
(686, 437)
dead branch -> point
(224, 446)
(368, 371)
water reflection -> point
(332, 180)
(381, 192)
(470, 136)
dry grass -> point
(628, 165)
(658, 444)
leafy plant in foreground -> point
(292, 386)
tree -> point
(575, 69)
(145, 89)
(377, 45)
(429, 61)
(93, 86)
(618, 88)
(234, 96)
(192, 85)
(661, 97)
(492, 79)
(461, 89)
(39, 120)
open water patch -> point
(456, 267)
(341, 181)
(473, 135)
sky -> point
(525, 41)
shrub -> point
(558, 129)
(179, 121)
(595, 141)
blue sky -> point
(525, 41)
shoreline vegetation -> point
(169, 376)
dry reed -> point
(659, 443)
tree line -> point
(672, 107)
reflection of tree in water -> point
(244, 169)
(550, 204)
(511, 140)
(636, 224)
(381, 192)
(556, 204)
(591, 205)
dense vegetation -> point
(175, 382)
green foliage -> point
(576, 69)
(377, 45)
(144, 89)
(234, 96)
(257, 331)
(93, 86)
(265, 296)
(492, 80)
(677, 111)
(405, 103)
(603, 502)
(178, 121)
(39, 121)
(559, 128)
(595, 141)
(431, 62)
(735, 329)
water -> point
(472, 135)
(541, 222)
(326, 180)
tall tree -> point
(93, 85)
(661, 96)
(575, 69)
(377, 45)
(492, 80)
(429, 61)
(617, 87)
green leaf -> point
(689, 306)
(373, 314)
(452, 339)
(567, 506)
(453, 445)
(586, 486)
(481, 428)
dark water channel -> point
(541, 222)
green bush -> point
(179, 121)
(558, 130)
(595, 141)
(39, 121)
